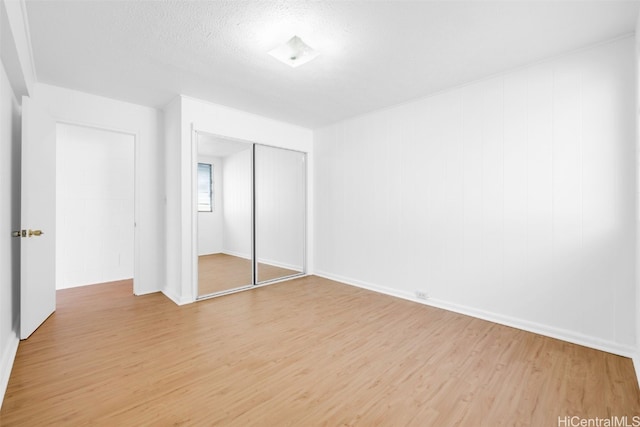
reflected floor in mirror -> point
(221, 272)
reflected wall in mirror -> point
(280, 206)
(225, 214)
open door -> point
(37, 248)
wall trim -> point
(18, 23)
(146, 292)
(525, 325)
(265, 261)
(27, 34)
(6, 364)
(175, 298)
(281, 264)
(236, 254)
(636, 366)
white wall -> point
(16, 79)
(94, 206)
(511, 198)
(210, 224)
(15, 47)
(10, 143)
(69, 106)
(236, 196)
(280, 202)
(173, 210)
(180, 156)
(636, 358)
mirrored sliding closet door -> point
(280, 212)
(225, 214)
(251, 212)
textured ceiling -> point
(373, 54)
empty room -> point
(278, 212)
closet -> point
(251, 204)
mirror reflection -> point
(280, 212)
(224, 195)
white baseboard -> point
(266, 261)
(9, 355)
(237, 254)
(146, 292)
(636, 366)
(92, 283)
(549, 331)
(280, 264)
(175, 298)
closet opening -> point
(250, 203)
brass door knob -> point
(35, 233)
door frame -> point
(136, 184)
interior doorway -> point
(95, 218)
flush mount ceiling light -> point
(294, 52)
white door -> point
(37, 248)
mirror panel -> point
(225, 214)
(280, 205)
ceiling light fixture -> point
(294, 53)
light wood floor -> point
(220, 272)
(304, 352)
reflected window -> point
(205, 187)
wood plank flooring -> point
(221, 272)
(304, 352)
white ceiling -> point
(373, 54)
